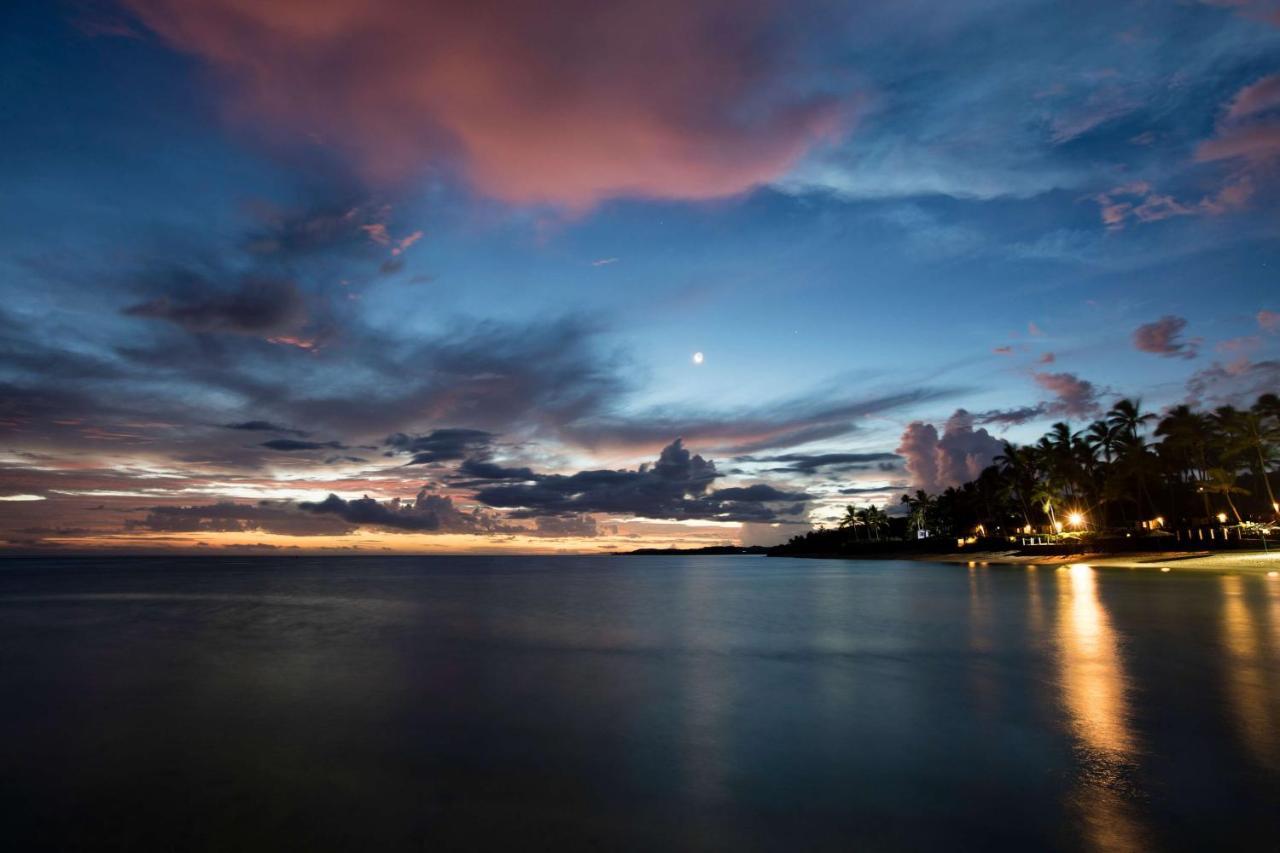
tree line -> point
(1130, 470)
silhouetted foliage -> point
(1109, 475)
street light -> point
(1222, 518)
(1076, 519)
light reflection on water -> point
(1094, 688)
(657, 703)
(1249, 682)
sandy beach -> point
(1251, 562)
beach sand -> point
(1250, 562)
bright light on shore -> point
(1076, 519)
(22, 497)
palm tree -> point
(1016, 467)
(876, 519)
(1185, 446)
(1257, 439)
(1102, 437)
(1223, 482)
(850, 521)
(1137, 463)
(1126, 416)
(921, 508)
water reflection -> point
(1246, 668)
(706, 691)
(984, 673)
(1093, 684)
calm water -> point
(639, 703)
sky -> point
(323, 276)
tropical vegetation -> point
(1129, 470)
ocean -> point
(639, 703)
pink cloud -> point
(1076, 397)
(1138, 201)
(566, 102)
(1255, 98)
(1033, 330)
(1269, 320)
(1244, 344)
(959, 455)
(405, 242)
(1255, 143)
(1047, 358)
(1258, 10)
(1239, 382)
(1246, 133)
(377, 233)
(1162, 338)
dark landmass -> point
(841, 543)
(710, 550)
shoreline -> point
(1263, 563)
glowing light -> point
(698, 358)
(1273, 574)
(1076, 519)
(1164, 568)
(1222, 518)
(22, 497)
(1057, 525)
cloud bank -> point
(566, 102)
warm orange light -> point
(1076, 519)
(1222, 518)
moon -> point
(697, 357)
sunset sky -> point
(424, 276)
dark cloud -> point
(565, 526)
(425, 514)
(490, 377)
(760, 492)
(278, 518)
(1162, 338)
(441, 445)
(291, 445)
(787, 423)
(264, 426)
(874, 490)
(809, 463)
(1011, 417)
(339, 223)
(258, 307)
(1238, 383)
(477, 469)
(674, 487)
